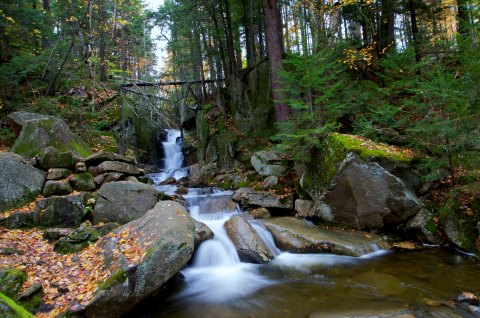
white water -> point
(217, 275)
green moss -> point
(370, 150)
(116, 278)
(431, 226)
(16, 311)
(11, 281)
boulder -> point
(17, 120)
(461, 230)
(202, 233)
(270, 182)
(269, 163)
(107, 177)
(366, 196)
(11, 281)
(305, 208)
(166, 235)
(54, 158)
(300, 236)
(58, 173)
(77, 240)
(18, 220)
(81, 167)
(40, 132)
(230, 180)
(249, 197)
(9, 309)
(114, 166)
(19, 183)
(53, 187)
(200, 175)
(83, 182)
(60, 211)
(99, 157)
(260, 213)
(424, 228)
(124, 201)
(250, 247)
(56, 233)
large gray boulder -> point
(423, 227)
(269, 163)
(365, 195)
(40, 132)
(165, 235)
(202, 233)
(60, 211)
(250, 247)
(124, 201)
(299, 236)
(250, 197)
(200, 175)
(19, 183)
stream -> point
(217, 284)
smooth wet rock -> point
(114, 166)
(124, 201)
(54, 187)
(58, 173)
(250, 247)
(83, 182)
(269, 163)
(249, 197)
(19, 183)
(18, 220)
(99, 157)
(166, 233)
(305, 208)
(181, 190)
(366, 196)
(200, 175)
(60, 211)
(170, 180)
(424, 227)
(11, 281)
(202, 232)
(47, 131)
(260, 213)
(300, 236)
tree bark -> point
(387, 26)
(274, 53)
(413, 22)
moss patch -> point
(116, 278)
(13, 310)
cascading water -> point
(218, 284)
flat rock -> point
(167, 233)
(124, 201)
(300, 236)
(107, 177)
(55, 187)
(19, 183)
(18, 220)
(99, 157)
(83, 182)
(249, 197)
(58, 173)
(56, 233)
(250, 247)
(114, 166)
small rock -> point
(468, 298)
(260, 213)
(18, 220)
(98, 158)
(11, 280)
(270, 182)
(202, 233)
(114, 166)
(104, 229)
(7, 251)
(269, 163)
(53, 187)
(59, 211)
(107, 177)
(131, 179)
(58, 173)
(170, 180)
(56, 233)
(54, 158)
(249, 197)
(77, 240)
(181, 190)
(304, 208)
(83, 182)
(80, 166)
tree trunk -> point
(387, 26)
(274, 52)
(102, 49)
(413, 21)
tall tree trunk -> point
(102, 48)
(387, 26)
(274, 51)
(463, 19)
(413, 22)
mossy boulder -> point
(165, 238)
(10, 309)
(19, 183)
(11, 280)
(47, 131)
(55, 158)
(77, 240)
(18, 220)
(83, 182)
(60, 211)
(55, 187)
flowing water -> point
(217, 284)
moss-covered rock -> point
(60, 211)
(11, 280)
(54, 187)
(83, 182)
(54, 158)
(77, 240)
(9, 309)
(48, 131)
